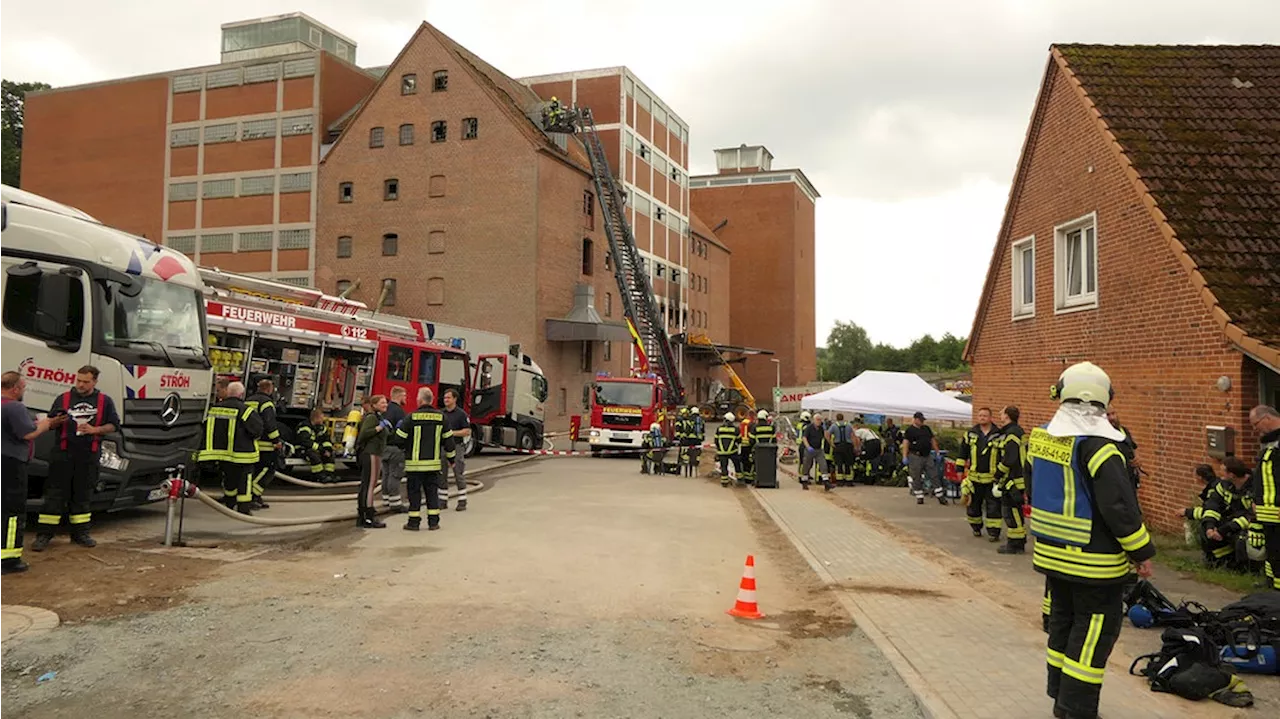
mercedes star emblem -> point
(170, 409)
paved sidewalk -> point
(960, 651)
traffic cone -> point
(746, 607)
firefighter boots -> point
(1014, 546)
(41, 543)
(84, 540)
(462, 506)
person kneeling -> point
(1225, 517)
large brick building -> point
(766, 217)
(444, 198)
(218, 162)
(1142, 233)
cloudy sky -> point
(907, 116)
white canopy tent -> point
(894, 394)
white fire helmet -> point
(728, 417)
(762, 414)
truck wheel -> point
(525, 439)
(470, 445)
(742, 411)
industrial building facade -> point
(427, 187)
(218, 162)
(766, 217)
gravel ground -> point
(575, 587)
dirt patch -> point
(107, 581)
(808, 624)
(847, 702)
(882, 589)
(998, 591)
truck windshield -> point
(634, 394)
(163, 314)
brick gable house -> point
(1142, 233)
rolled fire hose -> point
(282, 522)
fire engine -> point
(622, 409)
(77, 292)
(325, 351)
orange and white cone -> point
(746, 607)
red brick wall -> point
(603, 95)
(341, 87)
(1151, 331)
(101, 149)
(251, 99)
(769, 227)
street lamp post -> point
(777, 372)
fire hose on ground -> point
(178, 489)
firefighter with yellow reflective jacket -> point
(978, 456)
(231, 432)
(265, 470)
(1089, 531)
(428, 443)
(747, 449)
(728, 445)
(317, 446)
(1265, 532)
(1010, 488)
(1226, 515)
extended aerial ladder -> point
(633, 280)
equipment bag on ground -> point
(1188, 664)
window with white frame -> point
(1076, 264)
(1023, 264)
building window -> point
(344, 246)
(346, 192)
(1076, 264)
(470, 128)
(375, 136)
(296, 126)
(587, 253)
(258, 129)
(408, 84)
(391, 189)
(439, 131)
(659, 214)
(390, 244)
(584, 359)
(406, 134)
(295, 239)
(608, 261)
(343, 285)
(435, 186)
(435, 242)
(186, 244)
(1023, 272)
(220, 242)
(220, 133)
(608, 303)
(660, 270)
(184, 137)
(644, 151)
(440, 81)
(219, 188)
(254, 241)
(389, 292)
(260, 185)
(181, 191)
(675, 275)
(608, 351)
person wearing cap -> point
(918, 446)
(1089, 534)
(728, 443)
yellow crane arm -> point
(734, 380)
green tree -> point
(849, 352)
(15, 95)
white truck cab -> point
(76, 292)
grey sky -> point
(908, 116)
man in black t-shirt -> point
(918, 445)
(811, 441)
(456, 421)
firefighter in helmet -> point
(1090, 535)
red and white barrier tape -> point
(588, 452)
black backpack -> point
(1147, 606)
(1190, 666)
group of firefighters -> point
(242, 441)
